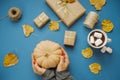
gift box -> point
(68, 12)
(69, 38)
(41, 19)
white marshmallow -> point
(109, 50)
(98, 35)
(103, 49)
(98, 42)
(92, 39)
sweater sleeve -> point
(49, 75)
(63, 75)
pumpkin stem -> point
(46, 55)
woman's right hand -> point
(38, 70)
(64, 61)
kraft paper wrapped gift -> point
(41, 19)
(68, 13)
(69, 38)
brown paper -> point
(74, 11)
(41, 19)
(69, 38)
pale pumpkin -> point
(47, 54)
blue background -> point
(13, 40)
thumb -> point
(37, 67)
(61, 59)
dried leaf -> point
(107, 25)
(87, 53)
(10, 59)
(54, 26)
(27, 29)
(95, 68)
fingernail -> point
(34, 62)
(62, 54)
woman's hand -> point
(38, 70)
(64, 61)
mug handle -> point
(109, 40)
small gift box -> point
(41, 19)
(69, 38)
(68, 12)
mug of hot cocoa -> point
(98, 39)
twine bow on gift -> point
(64, 7)
(70, 35)
(69, 38)
(41, 18)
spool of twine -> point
(91, 19)
(14, 14)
